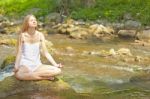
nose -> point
(34, 22)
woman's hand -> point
(59, 65)
(15, 69)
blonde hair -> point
(25, 24)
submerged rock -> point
(124, 51)
(11, 85)
(141, 43)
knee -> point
(58, 71)
(18, 75)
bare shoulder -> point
(41, 34)
(20, 35)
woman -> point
(31, 42)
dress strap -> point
(40, 37)
(40, 40)
(22, 37)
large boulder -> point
(127, 33)
(130, 24)
(144, 35)
(11, 85)
(118, 26)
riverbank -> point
(110, 10)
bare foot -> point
(51, 78)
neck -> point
(31, 31)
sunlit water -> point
(92, 76)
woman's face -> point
(32, 22)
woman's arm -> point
(46, 53)
(18, 53)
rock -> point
(72, 28)
(3, 18)
(7, 61)
(104, 53)
(96, 28)
(79, 30)
(2, 30)
(132, 24)
(118, 26)
(5, 24)
(78, 34)
(53, 17)
(144, 35)
(138, 58)
(14, 29)
(102, 32)
(127, 59)
(127, 33)
(103, 22)
(112, 52)
(144, 77)
(124, 51)
(16, 22)
(70, 21)
(50, 31)
(85, 53)
(9, 42)
(69, 49)
(147, 27)
(127, 16)
(40, 24)
(94, 53)
(11, 85)
(141, 43)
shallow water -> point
(95, 77)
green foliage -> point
(21, 7)
(85, 13)
(112, 10)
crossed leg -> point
(41, 73)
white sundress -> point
(30, 56)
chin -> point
(33, 26)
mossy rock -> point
(11, 85)
(9, 42)
(7, 61)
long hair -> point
(25, 24)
